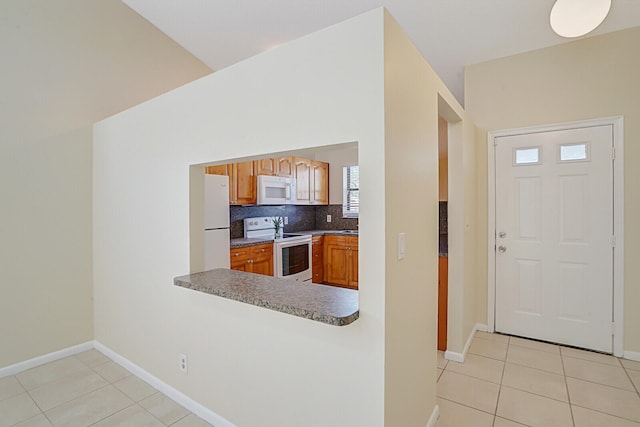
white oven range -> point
(292, 252)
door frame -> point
(617, 124)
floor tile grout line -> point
(178, 420)
(536, 394)
(112, 414)
(606, 413)
(604, 385)
(14, 395)
(465, 405)
(566, 386)
(76, 398)
(626, 371)
(504, 366)
(532, 367)
(619, 365)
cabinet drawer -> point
(239, 253)
(261, 250)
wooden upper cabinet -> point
(320, 172)
(244, 184)
(266, 166)
(218, 169)
(284, 166)
(312, 178)
(312, 182)
(275, 166)
(303, 180)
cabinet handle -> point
(236, 254)
(262, 250)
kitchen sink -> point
(348, 232)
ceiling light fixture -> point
(575, 18)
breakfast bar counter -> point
(321, 303)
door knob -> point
(502, 234)
(502, 249)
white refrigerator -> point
(216, 221)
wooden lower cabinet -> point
(443, 299)
(341, 261)
(317, 261)
(253, 259)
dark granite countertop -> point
(322, 303)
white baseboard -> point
(459, 357)
(184, 400)
(433, 420)
(631, 355)
(482, 327)
(46, 358)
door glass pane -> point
(573, 152)
(527, 156)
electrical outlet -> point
(286, 220)
(182, 362)
(328, 218)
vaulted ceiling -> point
(449, 33)
(69, 63)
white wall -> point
(253, 366)
(45, 255)
(337, 159)
(588, 78)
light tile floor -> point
(513, 382)
(87, 389)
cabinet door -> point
(285, 166)
(336, 268)
(238, 259)
(244, 183)
(353, 266)
(303, 180)
(217, 170)
(261, 259)
(262, 265)
(320, 182)
(443, 300)
(317, 253)
(266, 166)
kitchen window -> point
(351, 191)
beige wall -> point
(289, 371)
(588, 78)
(414, 98)
(45, 255)
(66, 64)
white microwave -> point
(276, 190)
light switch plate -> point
(401, 245)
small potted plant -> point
(277, 225)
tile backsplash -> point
(300, 217)
(443, 217)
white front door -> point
(554, 231)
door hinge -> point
(613, 328)
(613, 152)
(613, 241)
